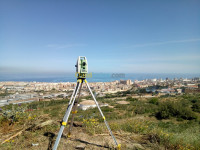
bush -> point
(196, 107)
(154, 101)
(110, 96)
(13, 115)
(131, 99)
(143, 90)
(140, 110)
(174, 109)
(107, 109)
(122, 107)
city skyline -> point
(115, 36)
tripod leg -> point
(118, 145)
(75, 90)
(71, 97)
(73, 93)
(65, 119)
(74, 111)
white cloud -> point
(163, 43)
(63, 46)
(159, 68)
(162, 58)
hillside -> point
(170, 122)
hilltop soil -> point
(42, 134)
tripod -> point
(73, 105)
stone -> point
(81, 146)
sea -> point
(94, 77)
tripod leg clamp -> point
(119, 146)
(104, 118)
(69, 135)
(64, 123)
(74, 112)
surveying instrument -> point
(81, 71)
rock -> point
(81, 146)
(77, 124)
(36, 144)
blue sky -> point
(131, 36)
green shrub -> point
(107, 109)
(121, 106)
(154, 101)
(193, 100)
(196, 107)
(141, 107)
(174, 109)
(131, 99)
(13, 115)
(140, 110)
(110, 96)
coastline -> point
(96, 77)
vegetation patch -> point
(167, 110)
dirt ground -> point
(123, 102)
(44, 140)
